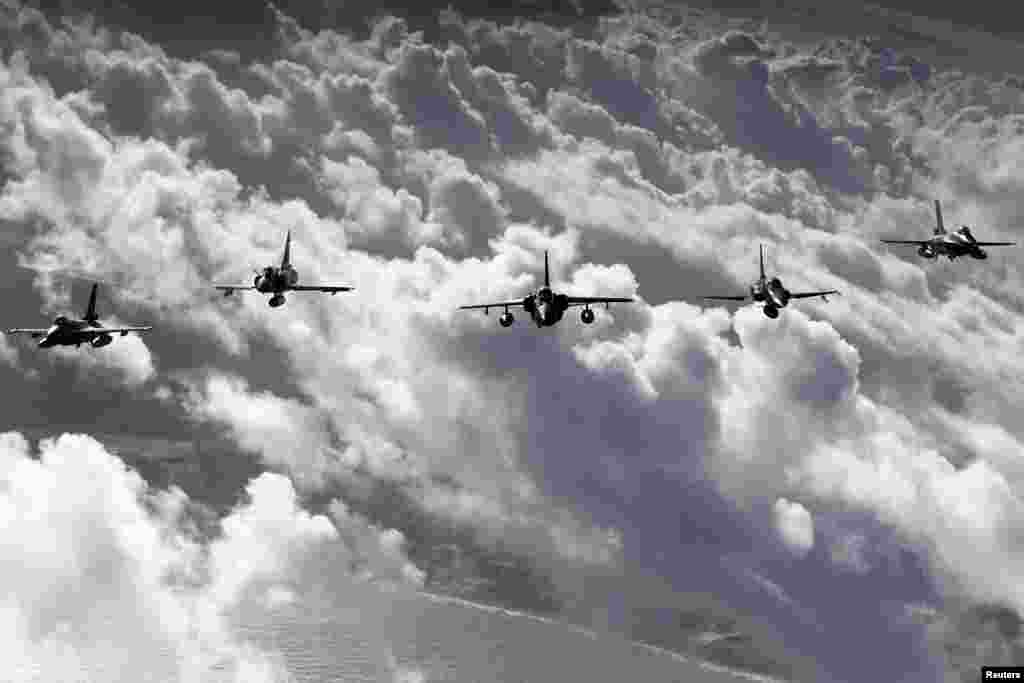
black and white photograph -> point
(564, 341)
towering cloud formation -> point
(106, 578)
(844, 473)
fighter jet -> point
(772, 293)
(950, 244)
(546, 306)
(68, 332)
(277, 280)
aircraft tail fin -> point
(286, 260)
(762, 261)
(90, 311)
(940, 229)
(547, 273)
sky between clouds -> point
(844, 474)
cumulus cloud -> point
(795, 525)
(665, 441)
(89, 566)
(127, 356)
(373, 210)
(118, 562)
(380, 552)
(464, 203)
(282, 431)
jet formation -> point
(772, 293)
(952, 245)
(67, 331)
(546, 307)
(276, 280)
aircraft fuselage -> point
(545, 307)
(953, 245)
(276, 280)
(66, 332)
(770, 292)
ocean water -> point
(422, 638)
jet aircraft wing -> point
(995, 244)
(320, 288)
(230, 289)
(587, 300)
(36, 333)
(805, 295)
(501, 304)
(917, 242)
(115, 330)
(742, 297)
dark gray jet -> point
(547, 307)
(772, 293)
(69, 332)
(277, 280)
(950, 244)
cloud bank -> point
(846, 471)
(113, 577)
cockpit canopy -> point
(60, 320)
(775, 282)
(965, 230)
(545, 295)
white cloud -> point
(117, 562)
(282, 431)
(464, 203)
(795, 525)
(88, 566)
(568, 447)
(127, 356)
(262, 539)
(381, 551)
(374, 210)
